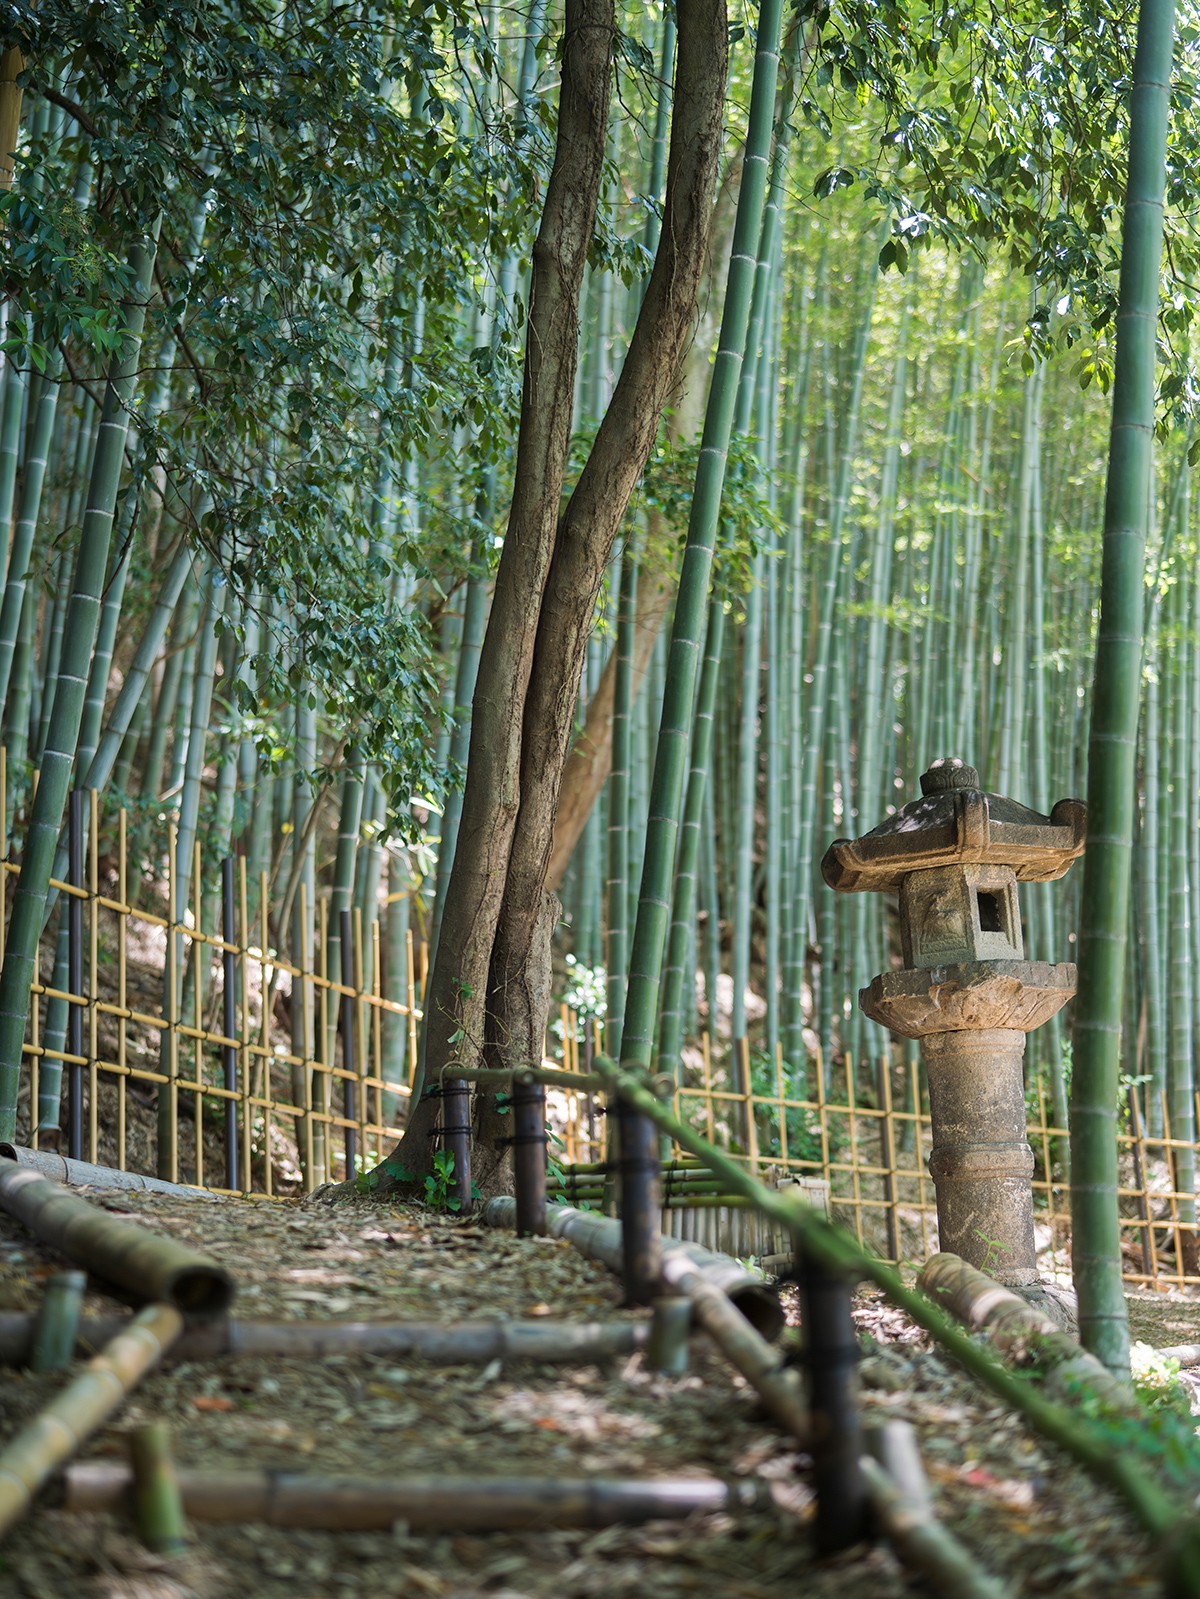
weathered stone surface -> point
(967, 995)
(955, 823)
(956, 856)
(952, 914)
(980, 1163)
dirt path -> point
(1027, 1514)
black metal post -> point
(229, 1053)
(640, 1204)
(75, 975)
(456, 1139)
(831, 1354)
(348, 1057)
(529, 1154)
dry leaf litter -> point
(1024, 1511)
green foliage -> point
(1156, 1382)
(585, 991)
(1164, 1436)
(1004, 131)
(438, 1182)
(368, 1181)
(749, 520)
(327, 196)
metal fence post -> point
(641, 1205)
(529, 1154)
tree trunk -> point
(489, 989)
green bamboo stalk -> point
(697, 804)
(650, 931)
(20, 959)
(1095, 1222)
(666, 794)
(43, 408)
(617, 949)
(1181, 1061)
(166, 702)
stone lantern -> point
(966, 990)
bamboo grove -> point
(267, 275)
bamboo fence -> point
(225, 1064)
(236, 1123)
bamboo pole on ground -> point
(1023, 1335)
(82, 1174)
(451, 1504)
(599, 1238)
(53, 1436)
(153, 1269)
(902, 1505)
(697, 1273)
(1156, 1510)
(467, 1343)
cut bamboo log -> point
(599, 1237)
(667, 1349)
(451, 1504)
(1022, 1335)
(709, 1281)
(1182, 1354)
(157, 1502)
(82, 1174)
(53, 1436)
(151, 1269)
(904, 1510)
(468, 1343)
(56, 1325)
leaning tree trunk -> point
(1112, 748)
(489, 993)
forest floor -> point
(1026, 1513)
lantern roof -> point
(956, 823)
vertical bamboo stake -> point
(264, 989)
(157, 1502)
(229, 1050)
(74, 910)
(172, 1152)
(306, 1061)
(323, 1082)
(360, 1030)
(780, 1092)
(889, 1160)
(1046, 1162)
(199, 955)
(706, 1068)
(1139, 1177)
(122, 982)
(93, 981)
(244, 1074)
(852, 1123)
(830, 1355)
(350, 1061)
